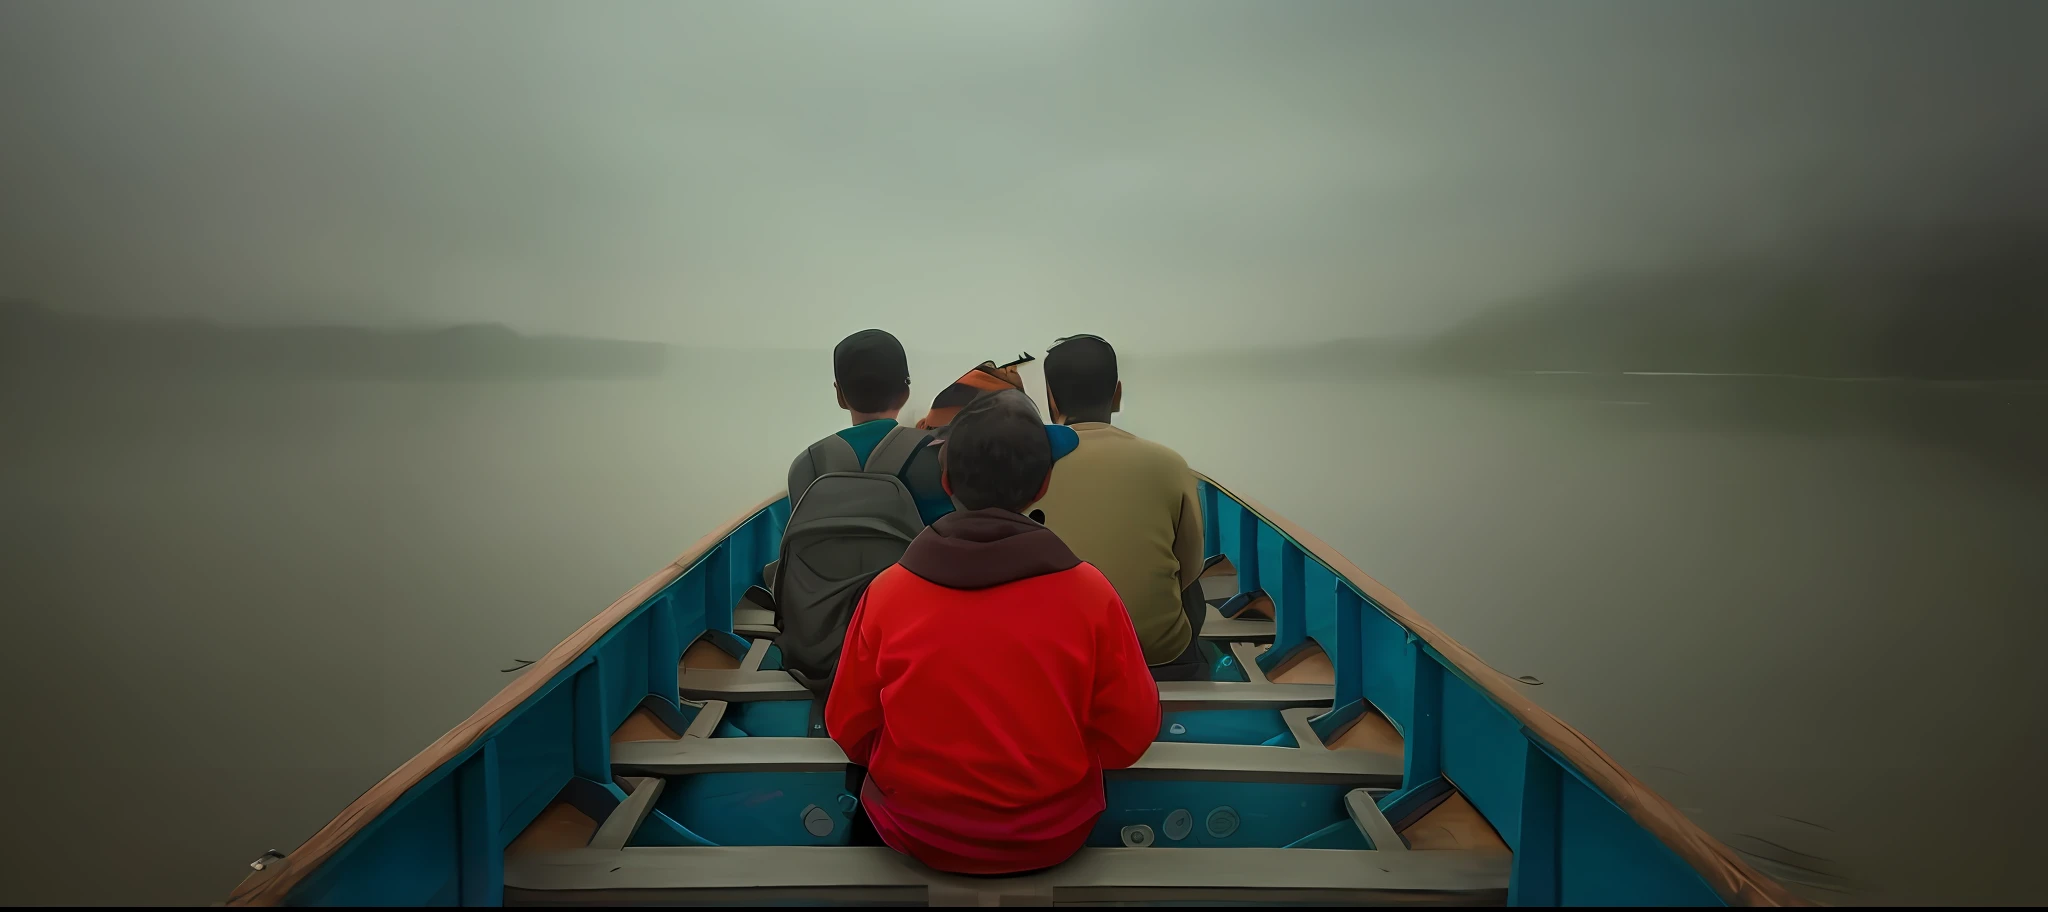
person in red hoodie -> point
(989, 677)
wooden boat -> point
(1347, 751)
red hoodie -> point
(986, 682)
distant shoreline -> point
(36, 341)
(1753, 375)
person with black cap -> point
(871, 374)
(857, 499)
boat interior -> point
(732, 795)
(1341, 751)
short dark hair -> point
(1080, 373)
(872, 371)
(997, 454)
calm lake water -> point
(1810, 618)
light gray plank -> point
(1257, 763)
(1187, 696)
(1217, 627)
(839, 873)
(738, 686)
(1365, 812)
(1163, 760)
(730, 755)
(706, 723)
(627, 817)
(757, 653)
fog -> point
(1687, 357)
(1181, 174)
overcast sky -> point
(969, 173)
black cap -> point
(869, 357)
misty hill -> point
(1968, 305)
(1972, 305)
(38, 341)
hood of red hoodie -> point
(982, 549)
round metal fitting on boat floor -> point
(1222, 822)
(816, 821)
(1138, 836)
(1179, 824)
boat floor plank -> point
(1454, 824)
(1370, 731)
(560, 826)
(735, 874)
(643, 725)
(1308, 664)
(1259, 606)
(704, 655)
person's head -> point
(1080, 380)
(997, 453)
(871, 374)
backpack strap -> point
(923, 474)
(895, 451)
(832, 454)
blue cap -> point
(1064, 440)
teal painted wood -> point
(1345, 645)
(1574, 846)
(442, 841)
(483, 859)
(1422, 751)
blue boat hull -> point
(588, 779)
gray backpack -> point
(849, 524)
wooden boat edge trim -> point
(1732, 878)
(270, 886)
